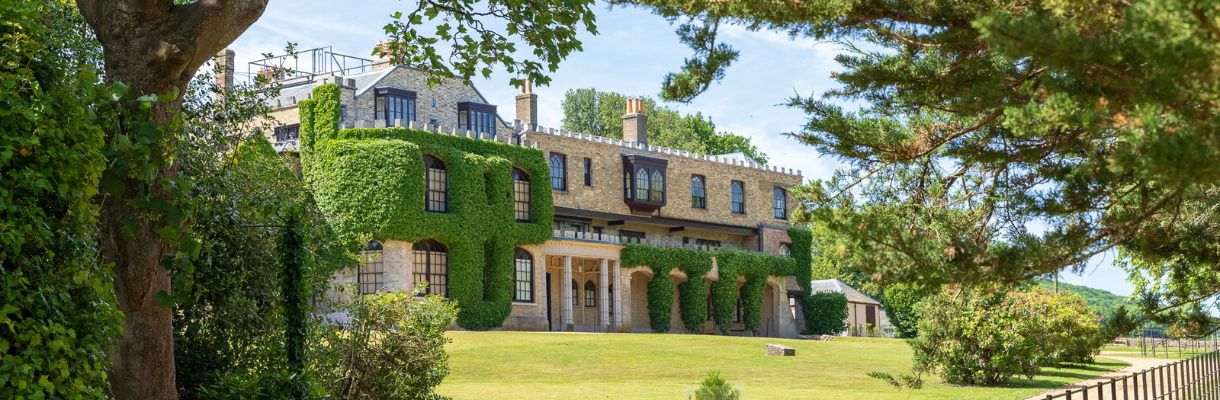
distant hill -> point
(1099, 301)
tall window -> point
(610, 301)
(657, 192)
(287, 132)
(477, 117)
(588, 172)
(559, 171)
(438, 185)
(431, 266)
(641, 184)
(575, 294)
(523, 271)
(392, 104)
(698, 196)
(781, 208)
(372, 272)
(739, 198)
(590, 294)
(521, 195)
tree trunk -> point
(153, 46)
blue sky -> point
(632, 54)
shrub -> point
(900, 306)
(825, 313)
(989, 336)
(392, 347)
(716, 388)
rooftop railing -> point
(613, 239)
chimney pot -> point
(635, 123)
(527, 104)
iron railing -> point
(615, 239)
(319, 61)
(1189, 379)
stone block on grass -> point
(780, 350)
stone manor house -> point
(606, 193)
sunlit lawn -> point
(1168, 352)
(523, 365)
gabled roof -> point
(837, 286)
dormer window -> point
(644, 182)
(477, 117)
(392, 104)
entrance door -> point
(870, 315)
(547, 303)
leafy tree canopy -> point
(1003, 140)
(601, 113)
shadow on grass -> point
(1051, 378)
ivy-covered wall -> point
(372, 181)
(692, 294)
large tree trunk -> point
(153, 46)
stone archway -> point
(639, 302)
(769, 325)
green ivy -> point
(802, 250)
(692, 294)
(372, 181)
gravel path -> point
(1137, 364)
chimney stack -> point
(635, 123)
(384, 56)
(224, 71)
(527, 104)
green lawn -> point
(1170, 352)
(523, 365)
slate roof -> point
(835, 285)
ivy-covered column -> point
(603, 278)
(618, 299)
(568, 325)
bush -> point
(989, 336)
(900, 306)
(825, 313)
(391, 348)
(716, 388)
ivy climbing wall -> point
(372, 181)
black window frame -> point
(371, 266)
(558, 182)
(284, 133)
(738, 196)
(523, 290)
(698, 199)
(590, 294)
(431, 250)
(708, 242)
(436, 198)
(477, 117)
(575, 294)
(641, 177)
(588, 163)
(387, 101)
(523, 196)
(780, 203)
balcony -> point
(621, 240)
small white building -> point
(861, 309)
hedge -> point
(372, 181)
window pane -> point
(658, 186)
(380, 108)
(559, 175)
(371, 273)
(524, 276)
(641, 184)
(462, 115)
(521, 198)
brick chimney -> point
(527, 104)
(635, 123)
(383, 56)
(224, 71)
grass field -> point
(524, 365)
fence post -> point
(1125, 395)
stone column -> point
(603, 307)
(618, 299)
(567, 294)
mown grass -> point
(524, 365)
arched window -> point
(575, 293)
(371, 275)
(698, 197)
(559, 171)
(785, 250)
(438, 185)
(521, 195)
(523, 276)
(739, 197)
(431, 266)
(641, 184)
(781, 209)
(658, 186)
(590, 294)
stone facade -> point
(592, 221)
